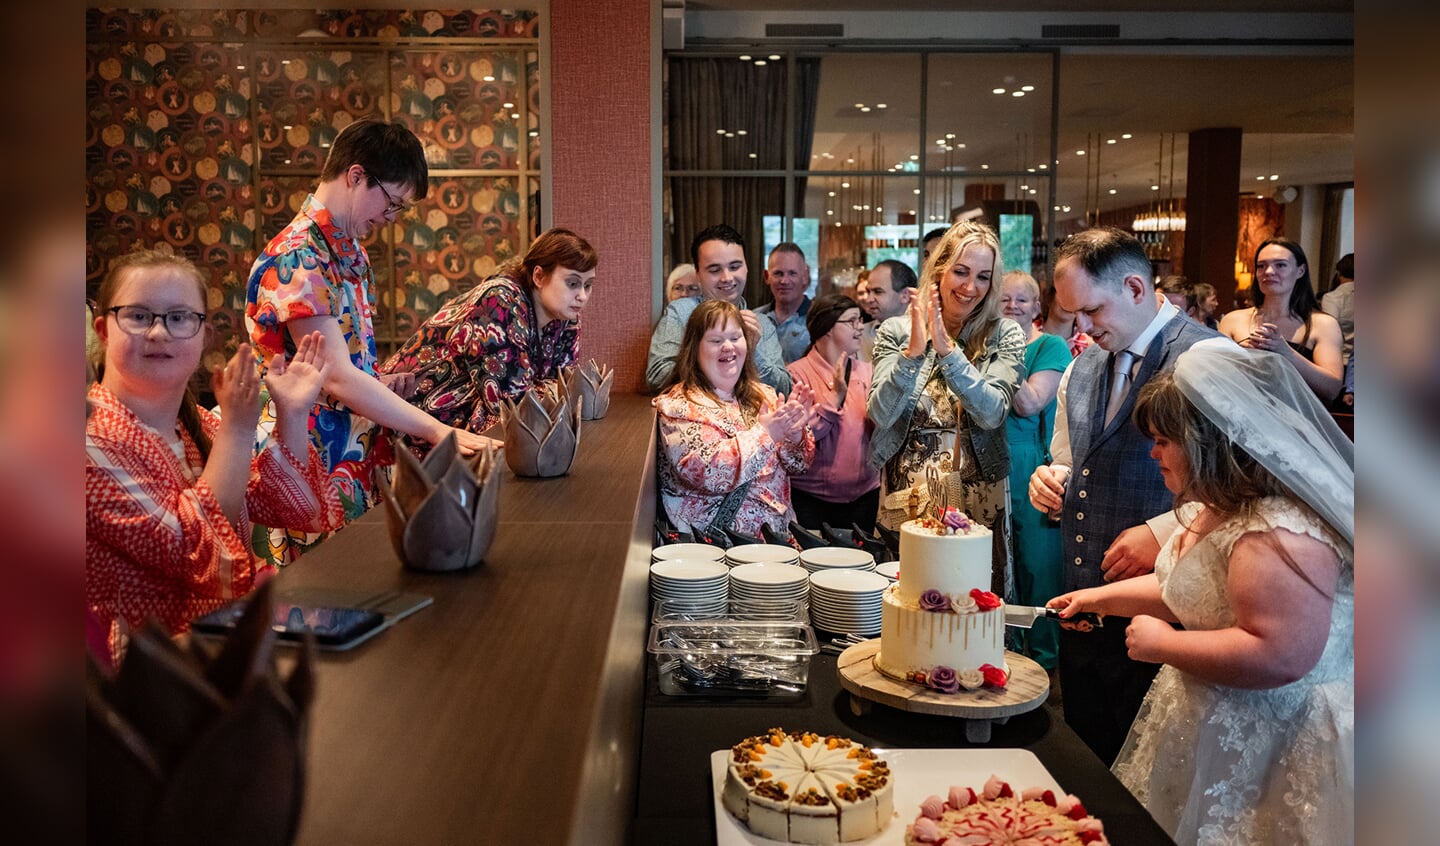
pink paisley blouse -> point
(707, 449)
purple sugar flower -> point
(943, 679)
(934, 600)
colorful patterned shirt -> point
(480, 348)
(708, 449)
(314, 268)
(156, 542)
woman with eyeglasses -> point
(944, 382)
(171, 489)
(493, 342)
(839, 488)
(315, 276)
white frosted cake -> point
(803, 788)
(941, 613)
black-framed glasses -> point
(137, 320)
(854, 322)
(392, 208)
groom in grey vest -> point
(1101, 481)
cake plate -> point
(1025, 690)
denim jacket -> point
(985, 387)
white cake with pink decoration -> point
(940, 625)
(997, 814)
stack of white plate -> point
(702, 586)
(847, 601)
(769, 581)
(890, 570)
(687, 551)
(752, 553)
(836, 558)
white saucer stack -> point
(703, 586)
(752, 553)
(890, 570)
(687, 551)
(769, 581)
(847, 601)
(836, 558)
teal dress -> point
(1036, 539)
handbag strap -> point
(730, 506)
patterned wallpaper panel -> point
(206, 129)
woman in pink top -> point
(840, 488)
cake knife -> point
(1025, 616)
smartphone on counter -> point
(335, 628)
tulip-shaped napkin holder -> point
(594, 381)
(441, 511)
(199, 746)
(542, 429)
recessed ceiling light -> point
(984, 167)
(774, 57)
(754, 156)
(849, 161)
(239, 67)
(1079, 152)
(1029, 170)
(912, 211)
(961, 146)
(949, 136)
(744, 58)
(865, 109)
(488, 78)
(997, 91)
(837, 223)
(507, 105)
(1044, 167)
(742, 132)
(1024, 187)
(759, 62)
(515, 115)
(1109, 140)
(1032, 190)
(832, 193)
(1027, 88)
(830, 211)
(844, 184)
(1112, 191)
(1127, 136)
(1065, 208)
(915, 191)
(1017, 93)
(729, 135)
(1274, 176)
(1154, 187)
(1259, 179)
(914, 158)
(881, 106)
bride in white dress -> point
(1247, 735)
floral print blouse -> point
(482, 347)
(708, 449)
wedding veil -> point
(1261, 403)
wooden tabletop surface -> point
(507, 711)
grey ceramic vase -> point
(595, 381)
(442, 511)
(202, 745)
(542, 429)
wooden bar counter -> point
(509, 710)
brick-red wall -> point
(600, 63)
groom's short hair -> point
(1108, 256)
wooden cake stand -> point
(1025, 690)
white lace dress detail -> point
(1222, 765)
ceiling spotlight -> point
(1274, 176)
(742, 132)
(1260, 179)
(1032, 190)
(961, 146)
(880, 106)
(774, 57)
(1017, 93)
(1109, 140)
(759, 63)
(912, 211)
(515, 115)
(832, 193)
(997, 91)
(1044, 166)
(984, 167)
(1154, 187)
(830, 211)
(754, 156)
(507, 105)
(239, 67)
(1065, 208)
(837, 223)
(844, 184)
(849, 161)
(1113, 191)
(916, 191)
(1024, 187)
(729, 135)
(719, 132)
(488, 78)
(744, 58)
(1079, 152)
(949, 136)
(1027, 88)
(1029, 170)
(1127, 136)
(914, 158)
(1057, 208)
(865, 109)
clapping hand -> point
(938, 335)
(237, 390)
(786, 424)
(295, 384)
(840, 382)
(927, 325)
(1266, 336)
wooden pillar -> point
(1212, 210)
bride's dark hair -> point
(1223, 476)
